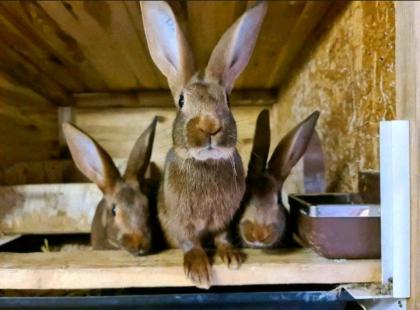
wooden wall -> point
(28, 125)
(347, 72)
(116, 129)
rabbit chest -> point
(203, 195)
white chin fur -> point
(213, 153)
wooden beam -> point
(48, 208)
(118, 269)
(163, 98)
(311, 15)
(407, 52)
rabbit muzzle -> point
(259, 236)
(135, 243)
(205, 135)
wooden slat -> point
(14, 65)
(92, 25)
(275, 31)
(118, 269)
(305, 24)
(41, 172)
(4, 239)
(28, 125)
(207, 21)
(161, 98)
(48, 208)
(35, 52)
(33, 22)
(407, 53)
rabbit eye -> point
(114, 209)
(181, 101)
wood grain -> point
(48, 208)
(98, 46)
(407, 16)
(161, 98)
(118, 269)
(347, 71)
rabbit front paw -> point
(197, 267)
(233, 258)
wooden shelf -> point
(118, 269)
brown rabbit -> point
(263, 223)
(122, 218)
(204, 179)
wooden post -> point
(408, 107)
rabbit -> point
(122, 217)
(203, 179)
(263, 222)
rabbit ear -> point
(261, 145)
(234, 49)
(167, 44)
(91, 159)
(140, 155)
(291, 148)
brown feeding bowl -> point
(337, 225)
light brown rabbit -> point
(204, 180)
(264, 222)
(122, 218)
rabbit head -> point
(122, 216)
(204, 127)
(263, 223)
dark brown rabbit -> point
(122, 218)
(204, 179)
(263, 223)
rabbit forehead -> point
(127, 196)
(204, 94)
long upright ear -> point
(140, 154)
(260, 146)
(291, 148)
(91, 159)
(167, 44)
(234, 49)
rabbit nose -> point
(132, 242)
(209, 125)
(260, 234)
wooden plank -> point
(161, 98)
(48, 208)
(14, 65)
(275, 31)
(34, 51)
(34, 22)
(4, 239)
(118, 269)
(207, 21)
(91, 24)
(311, 15)
(42, 172)
(407, 53)
(28, 125)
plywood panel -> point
(347, 72)
(94, 269)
